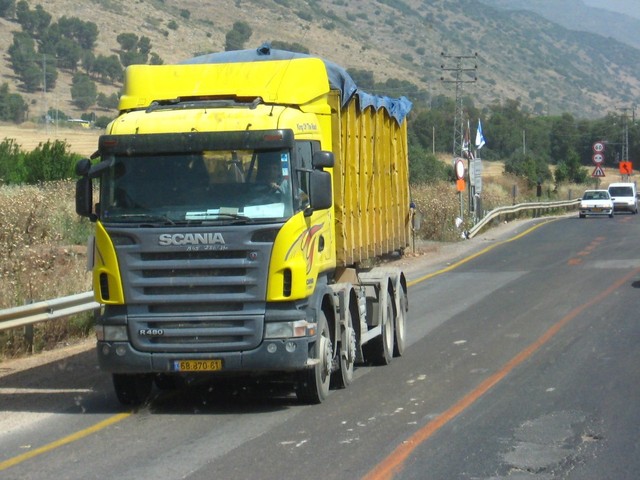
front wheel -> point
(313, 384)
(132, 389)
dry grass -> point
(42, 256)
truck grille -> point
(181, 300)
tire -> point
(401, 323)
(582, 216)
(132, 389)
(313, 384)
(379, 351)
(343, 377)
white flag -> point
(479, 136)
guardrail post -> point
(28, 332)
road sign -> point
(598, 147)
(626, 168)
(598, 172)
(459, 168)
(598, 158)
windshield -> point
(232, 185)
(621, 191)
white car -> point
(624, 197)
(596, 202)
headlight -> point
(299, 328)
(111, 333)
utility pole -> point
(625, 140)
(463, 69)
(44, 90)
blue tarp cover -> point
(339, 79)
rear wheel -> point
(347, 356)
(132, 389)
(380, 349)
(313, 384)
(401, 323)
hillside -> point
(576, 15)
(521, 55)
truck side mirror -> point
(322, 159)
(83, 167)
(84, 190)
(320, 195)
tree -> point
(49, 161)
(291, 47)
(84, 33)
(22, 52)
(237, 36)
(83, 91)
(533, 169)
(425, 167)
(108, 102)
(134, 50)
(13, 108)
(34, 22)
(107, 68)
(7, 8)
(68, 53)
(563, 138)
(363, 78)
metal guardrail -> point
(47, 310)
(84, 302)
(505, 211)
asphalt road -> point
(523, 363)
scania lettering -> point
(191, 239)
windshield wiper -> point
(203, 217)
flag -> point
(479, 136)
(466, 141)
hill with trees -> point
(66, 59)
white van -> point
(624, 197)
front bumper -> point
(595, 211)
(625, 207)
(276, 355)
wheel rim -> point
(401, 324)
(388, 328)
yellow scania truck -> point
(244, 200)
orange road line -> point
(394, 462)
(63, 441)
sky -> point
(628, 7)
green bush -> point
(47, 162)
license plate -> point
(197, 365)
(596, 209)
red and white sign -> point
(598, 158)
(598, 172)
(459, 168)
(598, 147)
